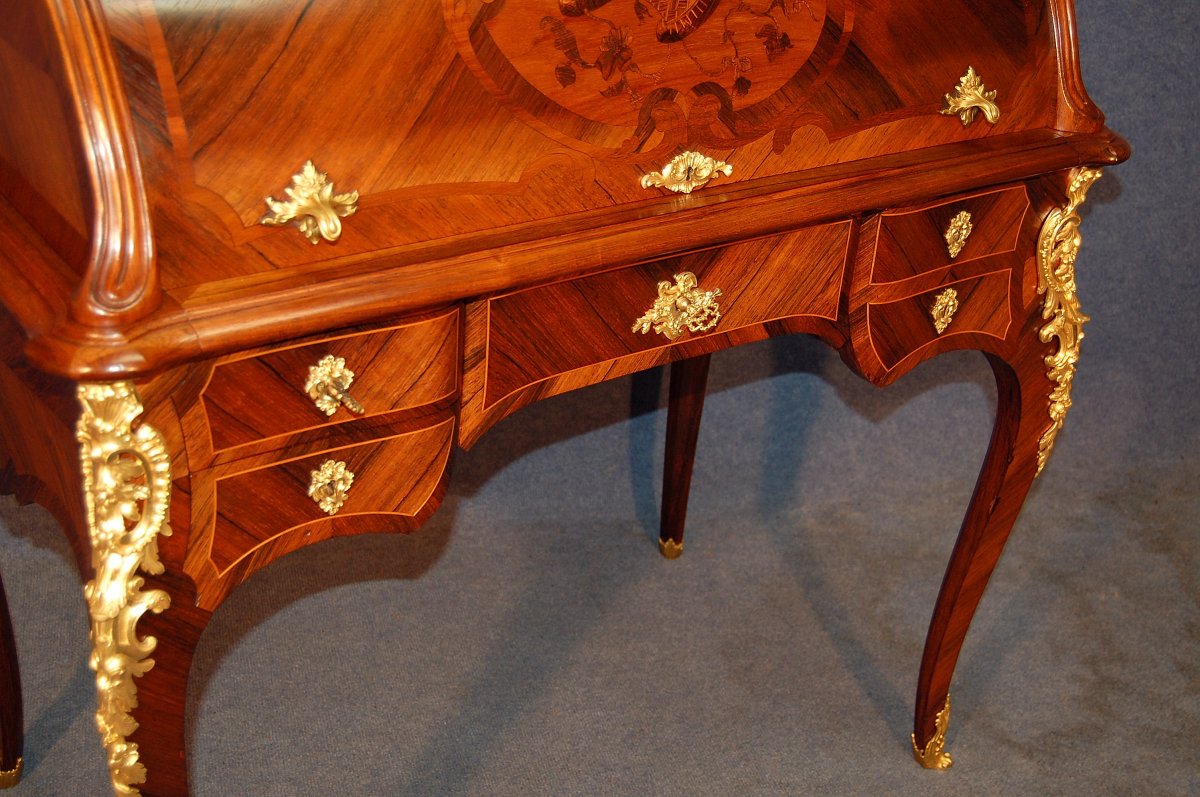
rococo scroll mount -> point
(127, 483)
(312, 206)
(1058, 246)
(969, 97)
(681, 307)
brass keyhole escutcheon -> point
(327, 384)
(686, 172)
(944, 308)
(329, 486)
(958, 232)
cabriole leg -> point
(1034, 394)
(1008, 471)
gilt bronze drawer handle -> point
(687, 171)
(327, 384)
(312, 206)
(944, 308)
(330, 485)
(681, 306)
(970, 97)
(958, 232)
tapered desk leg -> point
(685, 405)
(11, 716)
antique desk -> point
(472, 205)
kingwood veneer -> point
(895, 177)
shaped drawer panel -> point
(256, 510)
(913, 241)
(544, 340)
(909, 327)
(264, 395)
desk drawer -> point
(260, 512)
(264, 395)
(551, 338)
(913, 241)
(949, 314)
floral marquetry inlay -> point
(613, 61)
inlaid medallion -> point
(615, 72)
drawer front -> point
(262, 396)
(914, 241)
(567, 334)
(909, 327)
(258, 509)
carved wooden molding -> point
(122, 282)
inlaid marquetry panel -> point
(461, 116)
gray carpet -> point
(531, 641)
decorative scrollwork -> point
(127, 483)
(686, 172)
(934, 755)
(958, 232)
(1058, 246)
(330, 485)
(681, 306)
(944, 308)
(970, 97)
(312, 206)
(327, 384)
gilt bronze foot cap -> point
(670, 549)
(934, 755)
(11, 777)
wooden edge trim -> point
(220, 318)
(1076, 111)
(121, 285)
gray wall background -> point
(531, 641)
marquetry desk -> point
(471, 205)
